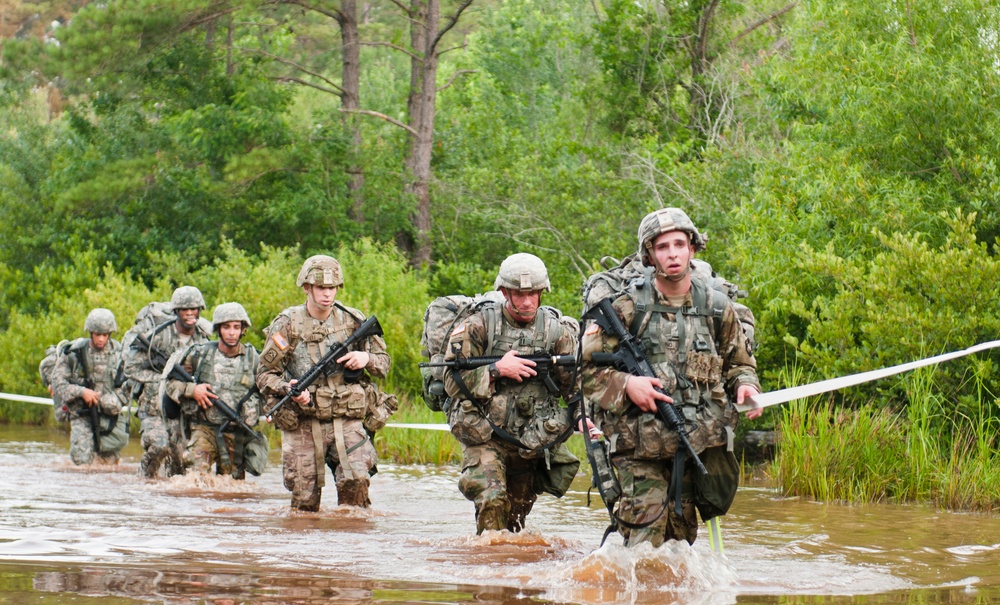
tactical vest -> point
(230, 377)
(97, 370)
(532, 412)
(330, 396)
(681, 345)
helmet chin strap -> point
(659, 272)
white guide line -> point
(26, 398)
(423, 427)
(825, 386)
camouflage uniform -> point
(701, 360)
(231, 378)
(162, 439)
(70, 377)
(329, 429)
(502, 479)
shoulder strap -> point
(491, 313)
(208, 357)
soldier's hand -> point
(203, 396)
(641, 390)
(90, 397)
(593, 431)
(355, 360)
(302, 398)
(513, 367)
(748, 390)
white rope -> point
(825, 386)
(26, 398)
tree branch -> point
(452, 21)
(409, 53)
(760, 22)
(301, 68)
(335, 15)
(382, 116)
(338, 93)
(455, 75)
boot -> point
(353, 493)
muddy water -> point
(101, 535)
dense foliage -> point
(840, 156)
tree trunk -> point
(350, 40)
(423, 95)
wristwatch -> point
(494, 372)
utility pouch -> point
(348, 401)
(703, 368)
(286, 419)
(381, 406)
(715, 491)
(468, 425)
(114, 432)
(324, 400)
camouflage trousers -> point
(313, 445)
(203, 451)
(646, 498)
(81, 443)
(500, 483)
(163, 441)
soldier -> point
(323, 424)
(224, 371)
(163, 439)
(84, 380)
(507, 417)
(693, 339)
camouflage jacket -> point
(70, 377)
(230, 378)
(717, 359)
(520, 408)
(296, 341)
(139, 368)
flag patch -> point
(459, 330)
(280, 341)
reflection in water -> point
(105, 533)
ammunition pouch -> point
(468, 424)
(381, 406)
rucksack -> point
(619, 275)
(48, 363)
(440, 319)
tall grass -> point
(933, 450)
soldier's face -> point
(187, 317)
(321, 296)
(99, 341)
(231, 332)
(522, 304)
(673, 252)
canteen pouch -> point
(468, 425)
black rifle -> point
(94, 413)
(543, 365)
(328, 364)
(157, 359)
(630, 358)
(232, 416)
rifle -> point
(232, 416)
(157, 359)
(328, 364)
(543, 365)
(94, 414)
(630, 358)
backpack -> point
(618, 275)
(440, 319)
(48, 363)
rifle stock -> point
(630, 358)
(328, 364)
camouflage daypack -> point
(617, 276)
(48, 363)
(441, 317)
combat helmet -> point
(230, 311)
(187, 297)
(522, 271)
(321, 270)
(665, 220)
(100, 321)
